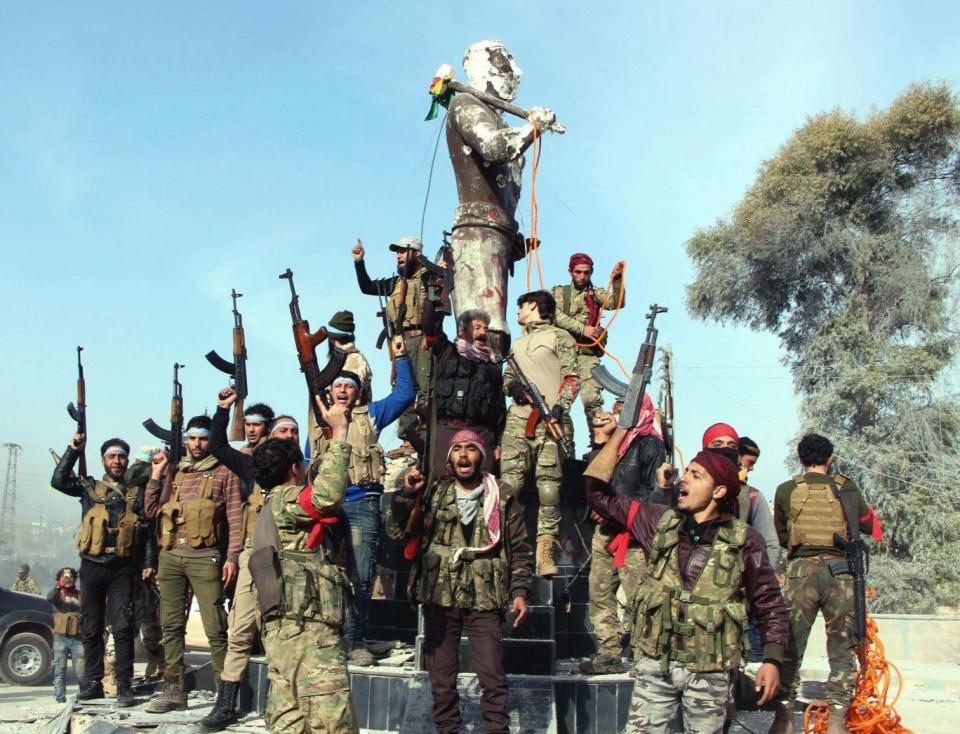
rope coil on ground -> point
(869, 711)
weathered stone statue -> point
(487, 157)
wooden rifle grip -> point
(530, 431)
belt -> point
(412, 330)
(820, 558)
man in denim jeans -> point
(67, 642)
(361, 505)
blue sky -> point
(155, 155)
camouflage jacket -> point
(487, 581)
(572, 311)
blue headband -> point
(255, 418)
(344, 378)
(197, 431)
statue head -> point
(491, 68)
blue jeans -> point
(66, 647)
(362, 532)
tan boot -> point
(545, 564)
(837, 720)
(783, 719)
(172, 697)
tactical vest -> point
(564, 295)
(536, 353)
(66, 623)
(816, 513)
(704, 628)
(305, 586)
(480, 583)
(251, 510)
(416, 297)
(468, 390)
(202, 516)
(366, 458)
(95, 531)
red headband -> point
(721, 470)
(580, 258)
(718, 430)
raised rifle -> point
(541, 411)
(237, 369)
(79, 411)
(440, 276)
(666, 402)
(632, 393)
(317, 379)
(172, 437)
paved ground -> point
(929, 704)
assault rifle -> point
(237, 369)
(632, 393)
(390, 327)
(173, 437)
(855, 563)
(79, 411)
(440, 276)
(666, 402)
(307, 342)
(540, 410)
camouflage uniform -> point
(572, 315)
(806, 531)
(547, 355)
(605, 582)
(702, 697)
(309, 685)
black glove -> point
(520, 394)
(556, 413)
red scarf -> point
(316, 532)
(593, 310)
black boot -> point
(125, 697)
(91, 689)
(223, 713)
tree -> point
(845, 247)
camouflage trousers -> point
(524, 459)
(309, 685)
(590, 394)
(658, 698)
(611, 590)
(420, 367)
(810, 588)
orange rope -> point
(869, 711)
(616, 312)
(533, 242)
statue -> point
(487, 157)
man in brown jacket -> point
(198, 515)
(689, 612)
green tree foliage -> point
(845, 247)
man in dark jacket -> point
(619, 563)
(689, 613)
(116, 546)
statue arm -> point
(478, 127)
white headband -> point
(197, 431)
(283, 423)
(255, 418)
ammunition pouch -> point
(313, 591)
(66, 623)
(251, 511)
(131, 533)
(201, 516)
(94, 530)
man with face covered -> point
(704, 566)
(198, 512)
(487, 158)
(472, 565)
(115, 548)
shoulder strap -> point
(849, 501)
(566, 298)
(799, 480)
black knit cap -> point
(342, 322)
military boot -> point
(783, 719)
(91, 689)
(125, 697)
(172, 697)
(223, 713)
(837, 720)
(545, 564)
